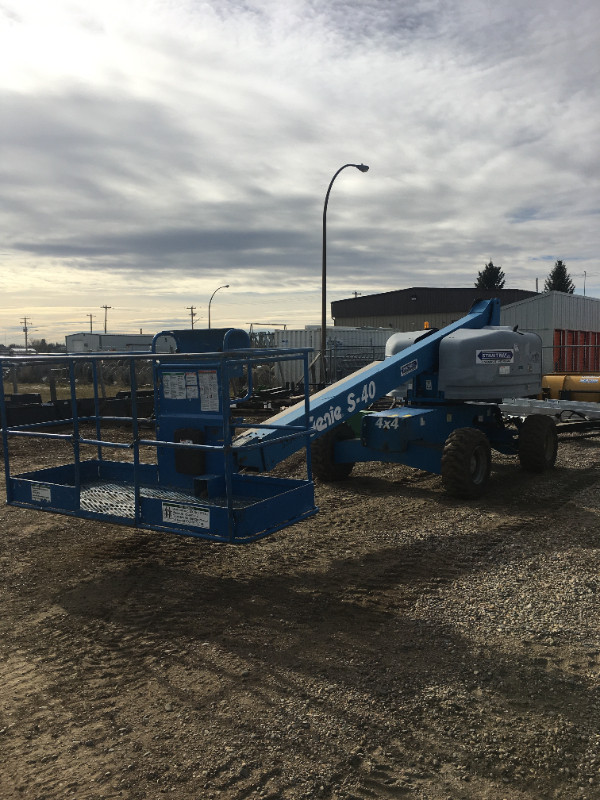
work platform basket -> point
(185, 480)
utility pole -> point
(105, 315)
(91, 316)
(25, 329)
(192, 310)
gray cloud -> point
(202, 142)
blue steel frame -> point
(352, 395)
(224, 505)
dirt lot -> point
(400, 644)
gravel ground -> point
(400, 644)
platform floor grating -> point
(117, 499)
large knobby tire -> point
(538, 443)
(323, 466)
(466, 463)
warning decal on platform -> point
(174, 385)
(209, 389)
(186, 516)
(191, 386)
(180, 386)
(495, 357)
(40, 494)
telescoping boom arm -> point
(259, 448)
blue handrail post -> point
(227, 454)
(307, 417)
(97, 406)
(4, 423)
(76, 434)
(136, 441)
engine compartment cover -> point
(491, 363)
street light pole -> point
(362, 168)
(211, 297)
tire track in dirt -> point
(41, 770)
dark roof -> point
(422, 300)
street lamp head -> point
(362, 167)
(224, 286)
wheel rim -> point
(548, 446)
(478, 465)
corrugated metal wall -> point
(409, 322)
(534, 315)
(343, 337)
(348, 349)
(556, 311)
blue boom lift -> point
(211, 481)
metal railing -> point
(65, 483)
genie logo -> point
(364, 395)
(326, 420)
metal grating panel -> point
(565, 409)
(117, 499)
(107, 498)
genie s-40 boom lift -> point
(211, 477)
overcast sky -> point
(153, 151)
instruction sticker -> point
(209, 390)
(187, 516)
(180, 385)
(40, 494)
(174, 387)
(495, 356)
(191, 386)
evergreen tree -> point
(559, 279)
(42, 346)
(490, 277)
